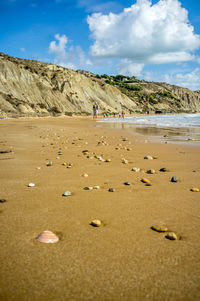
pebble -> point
(146, 181)
(174, 179)
(85, 175)
(171, 236)
(85, 151)
(50, 163)
(148, 184)
(108, 160)
(148, 157)
(135, 169)
(96, 187)
(64, 164)
(111, 189)
(159, 228)
(88, 188)
(195, 189)
(67, 193)
(2, 201)
(5, 151)
(31, 185)
(124, 161)
(96, 223)
(127, 183)
(164, 169)
(151, 171)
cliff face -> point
(33, 88)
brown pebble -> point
(159, 228)
(145, 180)
(171, 236)
(195, 189)
(96, 223)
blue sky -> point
(154, 40)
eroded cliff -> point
(34, 88)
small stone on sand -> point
(195, 189)
(2, 201)
(174, 179)
(135, 169)
(111, 189)
(171, 236)
(159, 228)
(96, 187)
(50, 163)
(85, 175)
(31, 185)
(148, 157)
(96, 223)
(127, 183)
(67, 193)
(163, 169)
(108, 160)
(88, 188)
(151, 171)
(146, 181)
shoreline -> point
(122, 260)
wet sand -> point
(122, 260)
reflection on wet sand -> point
(170, 134)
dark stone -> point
(85, 151)
(148, 184)
(164, 169)
(174, 179)
(5, 151)
(127, 183)
(111, 189)
(2, 201)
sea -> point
(173, 127)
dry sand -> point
(123, 259)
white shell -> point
(31, 185)
(47, 237)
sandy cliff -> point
(34, 88)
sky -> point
(155, 40)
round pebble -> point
(146, 181)
(151, 171)
(174, 179)
(163, 169)
(85, 175)
(195, 189)
(135, 169)
(148, 157)
(111, 189)
(31, 185)
(67, 193)
(171, 236)
(108, 160)
(2, 201)
(88, 188)
(159, 228)
(96, 187)
(127, 183)
(50, 163)
(96, 223)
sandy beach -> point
(123, 259)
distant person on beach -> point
(123, 114)
(107, 114)
(114, 115)
(120, 115)
(95, 110)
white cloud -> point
(190, 80)
(127, 67)
(72, 58)
(145, 33)
(22, 49)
